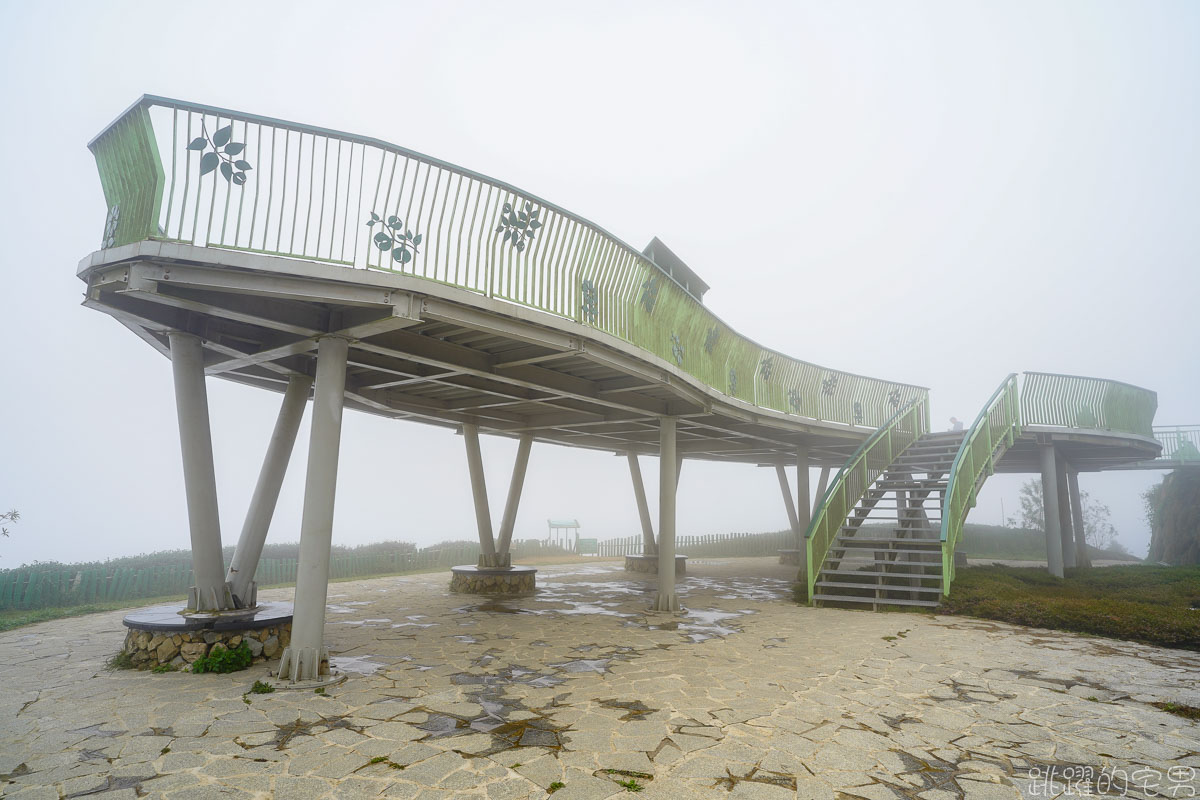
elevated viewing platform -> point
(318, 263)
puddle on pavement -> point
(634, 709)
(94, 730)
(285, 733)
(536, 730)
(356, 665)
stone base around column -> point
(162, 635)
(793, 557)
(635, 562)
(470, 579)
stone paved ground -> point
(745, 695)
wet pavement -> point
(744, 694)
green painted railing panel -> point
(857, 476)
(1072, 401)
(993, 432)
(251, 183)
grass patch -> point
(121, 660)
(554, 787)
(16, 618)
(261, 688)
(1179, 710)
(161, 668)
(221, 659)
(630, 785)
(1142, 602)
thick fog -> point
(932, 192)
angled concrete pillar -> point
(1065, 527)
(822, 484)
(786, 487)
(509, 521)
(803, 503)
(266, 492)
(649, 546)
(1082, 557)
(483, 512)
(210, 592)
(1050, 514)
(666, 599)
(306, 659)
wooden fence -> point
(721, 545)
(35, 587)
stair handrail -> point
(994, 431)
(856, 476)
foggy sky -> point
(938, 193)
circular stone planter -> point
(649, 564)
(470, 579)
(793, 557)
(161, 635)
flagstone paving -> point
(746, 695)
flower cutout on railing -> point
(395, 238)
(894, 398)
(519, 224)
(858, 413)
(766, 366)
(677, 349)
(110, 227)
(650, 293)
(732, 380)
(223, 155)
(711, 338)
(590, 305)
(829, 385)
(794, 400)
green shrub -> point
(161, 668)
(221, 659)
(121, 660)
(261, 688)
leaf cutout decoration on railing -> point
(711, 338)
(650, 293)
(110, 227)
(519, 224)
(222, 155)
(677, 349)
(395, 238)
(590, 304)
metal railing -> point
(1179, 442)
(210, 177)
(1071, 401)
(856, 476)
(994, 431)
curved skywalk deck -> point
(465, 299)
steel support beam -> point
(649, 546)
(1050, 515)
(666, 599)
(1082, 557)
(515, 485)
(266, 492)
(210, 592)
(1064, 514)
(306, 659)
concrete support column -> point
(514, 495)
(483, 513)
(822, 484)
(649, 547)
(1050, 514)
(210, 593)
(666, 600)
(786, 488)
(1064, 514)
(306, 659)
(803, 503)
(1082, 557)
(266, 492)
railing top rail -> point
(1089, 378)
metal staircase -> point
(889, 550)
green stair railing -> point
(209, 177)
(994, 431)
(856, 476)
